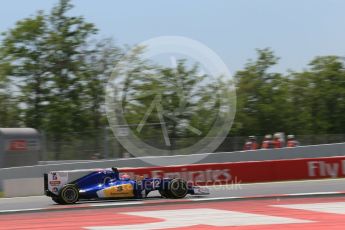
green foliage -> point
(50, 60)
(52, 78)
(318, 95)
(177, 99)
(9, 115)
(65, 44)
(261, 96)
(308, 102)
(22, 54)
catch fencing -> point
(101, 144)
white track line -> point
(314, 193)
(22, 210)
(117, 203)
(279, 182)
(215, 198)
(331, 207)
(22, 197)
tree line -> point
(53, 72)
(305, 102)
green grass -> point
(1, 194)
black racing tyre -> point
(69, 194)
(57, 200)
(177, 189)
(163, 193)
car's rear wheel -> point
(177, 189)
(57, 200)
(69, 194)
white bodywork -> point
(57, 179)
(201, 190)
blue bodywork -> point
(107, 183)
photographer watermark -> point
(170, 96)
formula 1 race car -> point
(68, 187)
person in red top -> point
(250, 143)
(292, 142)
(267, 142)
(277, 142)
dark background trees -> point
(306, 102)
(53, 73)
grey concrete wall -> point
(28, 187)
(315, 151)
(28, 154)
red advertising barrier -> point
(248, 172)
(17, 145)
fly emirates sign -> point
(249, 172)
(326, 169)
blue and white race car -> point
(68, 187)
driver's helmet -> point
(277, 136)
(125, 177)
(291, 137)
(268, 136)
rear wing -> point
(45, 177)
(55, 180)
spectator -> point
(267, 142)
(250, 144)
(292, 142)
(277, 142)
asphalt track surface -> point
(274, 190)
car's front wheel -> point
(69, 194)
(163, 193)
(177, 188)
